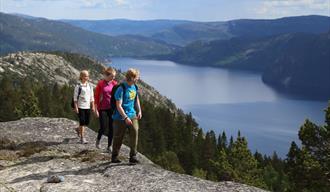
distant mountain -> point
(297, 62)
(19, 33)
(260, 28)
(185, 32)
(178, 32)
(25, 16)
(125, 26)
(303, 66)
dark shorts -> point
(84, 116)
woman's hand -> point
(128, 121)
(76, 110)
(96, 112)
(139, 115)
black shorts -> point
(84, 115)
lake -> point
(231, 100)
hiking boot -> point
(115, 160)
(97, 144)
(134, 160)
(83, 141)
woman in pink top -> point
(103, 107)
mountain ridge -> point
(21, 34)
(181, 33)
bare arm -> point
(75, 95)
(92, 99)
(122, 112)
(138, 107)
(76, 107)
(120, 109)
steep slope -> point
(21, 34)
(303, 67)
(269, 27)
(63, 68)
(32, 149)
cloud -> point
(83, 3)
(286, 7)
(103, 3)
(121, 2)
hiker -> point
(83, 100)
(126, 115)
(103, 108)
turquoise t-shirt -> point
(127, 102)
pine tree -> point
(8, 100)
(244, 163)
(169, 161)
(309, 167)
(170, 130)
(223, 168)
(231, 143)
(198, 147)
(29, 106)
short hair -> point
(82, 74)
(132, 74)
(109, 70)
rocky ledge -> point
(31, 149)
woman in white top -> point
(83, 101)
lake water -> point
(227, 100)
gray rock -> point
(49, 146)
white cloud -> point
(121, 2)
(286, 7)
(83, 3)
(103, 3)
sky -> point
(196, 10)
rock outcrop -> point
(32, 149)
(50, 68)
(44, 67)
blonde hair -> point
(82, 74)
(132, 74)
(109, 70)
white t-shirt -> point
(86, 95)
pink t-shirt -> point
(103, 94)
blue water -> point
(227, 100)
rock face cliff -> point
(32, 149)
